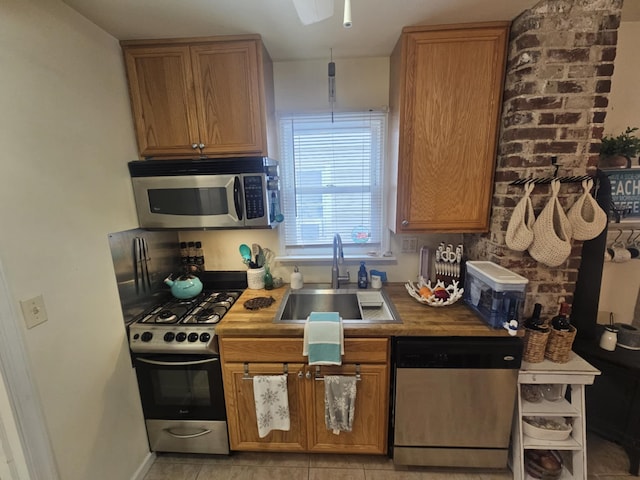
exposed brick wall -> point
(560, 61)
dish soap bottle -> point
(363, 279)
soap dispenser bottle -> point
(363, 279)
(296, 279)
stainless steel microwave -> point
(207, 193)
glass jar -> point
(552, 391)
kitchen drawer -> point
(356, 350)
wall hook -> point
(554, 163)
(618, 237)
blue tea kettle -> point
(185, 286)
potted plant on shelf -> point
(618, 151)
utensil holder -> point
(255, 278)
(559, 345)
(535, 344)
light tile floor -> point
(606, 461)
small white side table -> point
(573, 375)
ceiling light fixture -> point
(313, 11)
(346, 22)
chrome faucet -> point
(338, 257)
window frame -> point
(311, 253)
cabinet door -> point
(369, 434)
(228, 94)
(241, 411)
(162, 99)
(447, 150)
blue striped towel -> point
(323, 338)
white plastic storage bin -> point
(494, 292)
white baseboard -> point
(144, 467)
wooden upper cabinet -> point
(446, 88)
(208, 96)
(162, 99)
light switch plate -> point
(33, 311)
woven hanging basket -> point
(552, 232)
(520, 229)
(587, 219)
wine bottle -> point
(561, 321)
(535, 322)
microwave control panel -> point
(254, 196)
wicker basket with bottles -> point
(561, 336)
(535, 338)
(559, 345)
(535, 344)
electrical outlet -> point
(409, 245)
(33, 311)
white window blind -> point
(332, 169)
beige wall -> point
(66, 134)
(361, 83)
(624, 101)
(620, 282)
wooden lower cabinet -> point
(241, 410)
(308, 432)
(369, 432)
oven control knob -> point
(205, 337)
(181, 337)
(169, 336)
(146, 336)
(193, 337)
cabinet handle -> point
(308, 375)
(300, 374)
(201, 145)
(405, 223)
(194, 145)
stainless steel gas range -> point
(175, 353)
(173, 342)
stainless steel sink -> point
(353, 305)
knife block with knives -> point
(448, 263)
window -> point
(332, 172)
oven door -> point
(190, 201)
(180, 387)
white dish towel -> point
(339, 402)
(272, 403)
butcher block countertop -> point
(417, 319)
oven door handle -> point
(178, 364)
(192, 435)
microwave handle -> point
(237, 198)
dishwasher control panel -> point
(459, 352)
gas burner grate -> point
(207, 308)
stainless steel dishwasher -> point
(454, 399)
